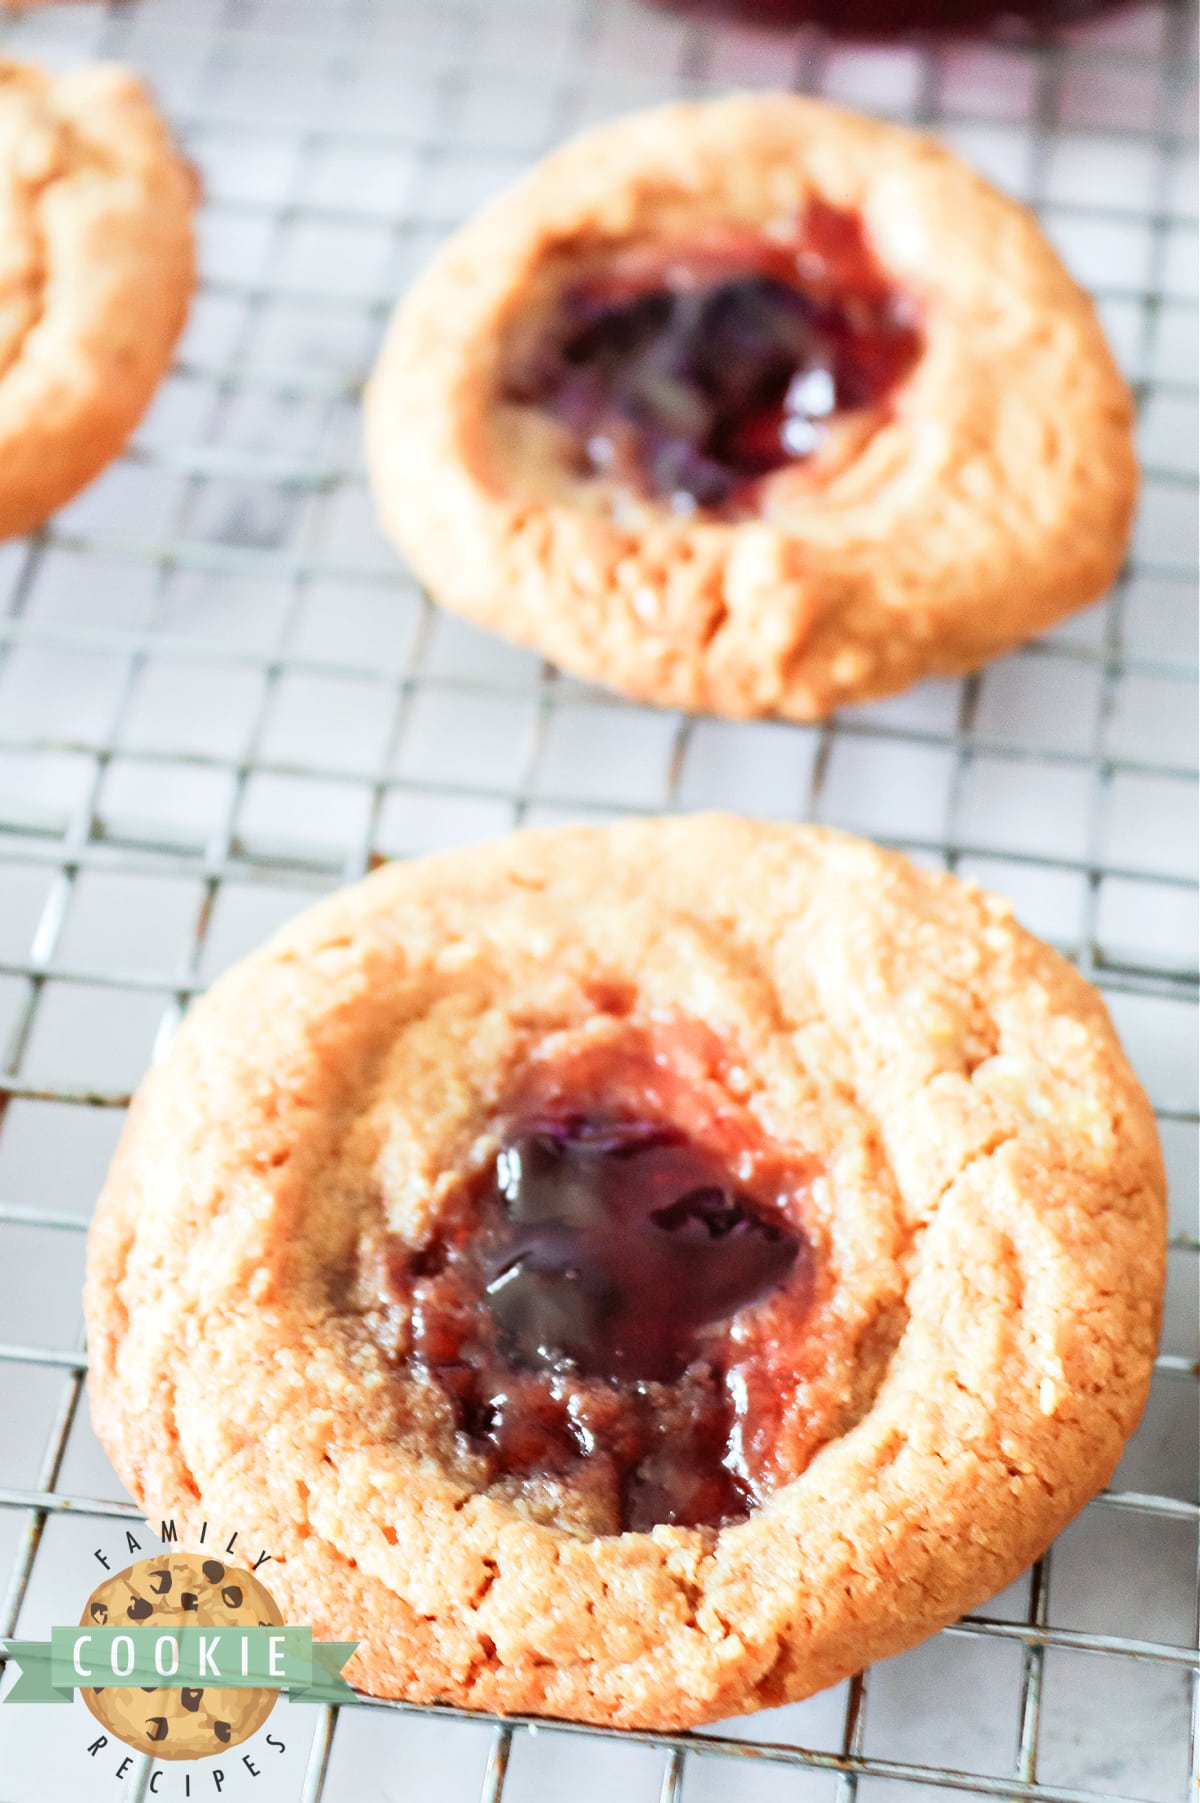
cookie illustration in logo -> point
(179, 1590)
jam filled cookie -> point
(755, 406)
(636, 1275)
(96, 271)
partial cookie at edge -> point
(96, 223)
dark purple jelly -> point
(621, 1243)
(577, 1317)
(693, 385)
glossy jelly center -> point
(692, 383)
(584, 1317)
(620, 1243)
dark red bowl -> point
(893, 18)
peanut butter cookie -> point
(637, 1275)
(96, 271)
(755, 406)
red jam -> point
(613, 1309)
(690, 377)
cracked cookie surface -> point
(96, 272)
(989, 496)
(981, 1196)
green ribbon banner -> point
(230, 1658)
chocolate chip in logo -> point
(213, 1571)
(156, 1727)
(99, 1612)
(222, 1730)
(188, 1600)
(149, 1686)
(160, 1581)
(191, 1699)
(231, 1596)
(139, 1609)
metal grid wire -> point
(219, 691)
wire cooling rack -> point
(220, 694)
